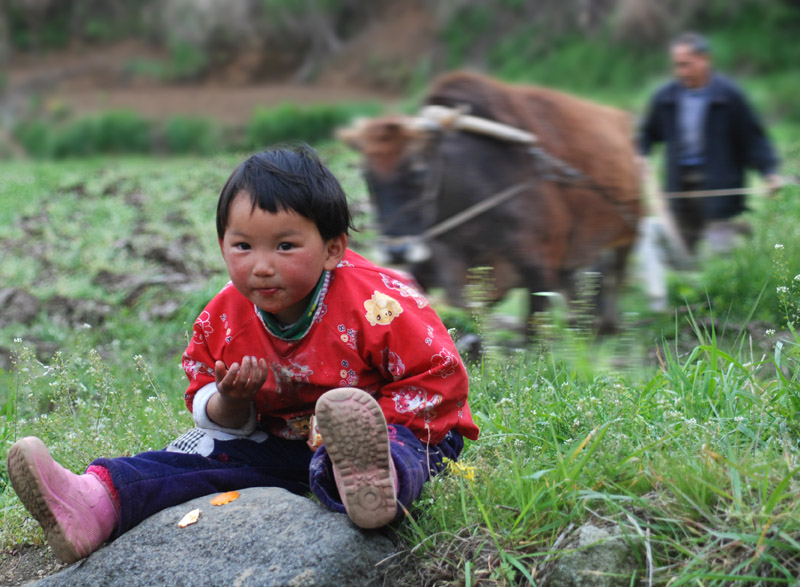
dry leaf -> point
(314, 437)
(189, 519)
(224, 498)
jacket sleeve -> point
(198, 360)
(428, 383)
(650, 131)
(752, 136)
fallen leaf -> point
(224, 498)
(189, 519)
(314, 437)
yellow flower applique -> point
(381, 309)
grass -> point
(698, 456)
(682, 431)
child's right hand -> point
(241, 382)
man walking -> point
(712, 136)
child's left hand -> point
(236, 386)
(241, 382)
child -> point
(305, 327)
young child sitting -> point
(304, 328)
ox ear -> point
(353, 135)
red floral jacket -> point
(372, 329)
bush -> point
(35, 136)
(77, 138)
(116, 131)
(288, 122)
(123, 131)
(126, 132)
(191, 135)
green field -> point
(682, 430)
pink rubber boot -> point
(354, 432)
(76, 512)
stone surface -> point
(601, 557)
(266, 537)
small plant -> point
(788, 290)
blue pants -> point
(152, 481)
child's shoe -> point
(76, 512)
(354, 433)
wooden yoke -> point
(456, 119)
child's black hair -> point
(289, 179)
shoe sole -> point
(354, 433)
(27, 482)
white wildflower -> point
(778, 247)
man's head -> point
(691, 60)
(289, 180)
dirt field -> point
(80, 82)
(373, 66)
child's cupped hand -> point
(241, 381)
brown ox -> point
(558, 175)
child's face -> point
(275, 260)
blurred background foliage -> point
(609, 50)
(105, 266)
(612, 51)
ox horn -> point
(455, 118)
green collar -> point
(297, 330)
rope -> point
(461, 217)
(715, 193)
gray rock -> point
(601, 557)
(266, 537)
